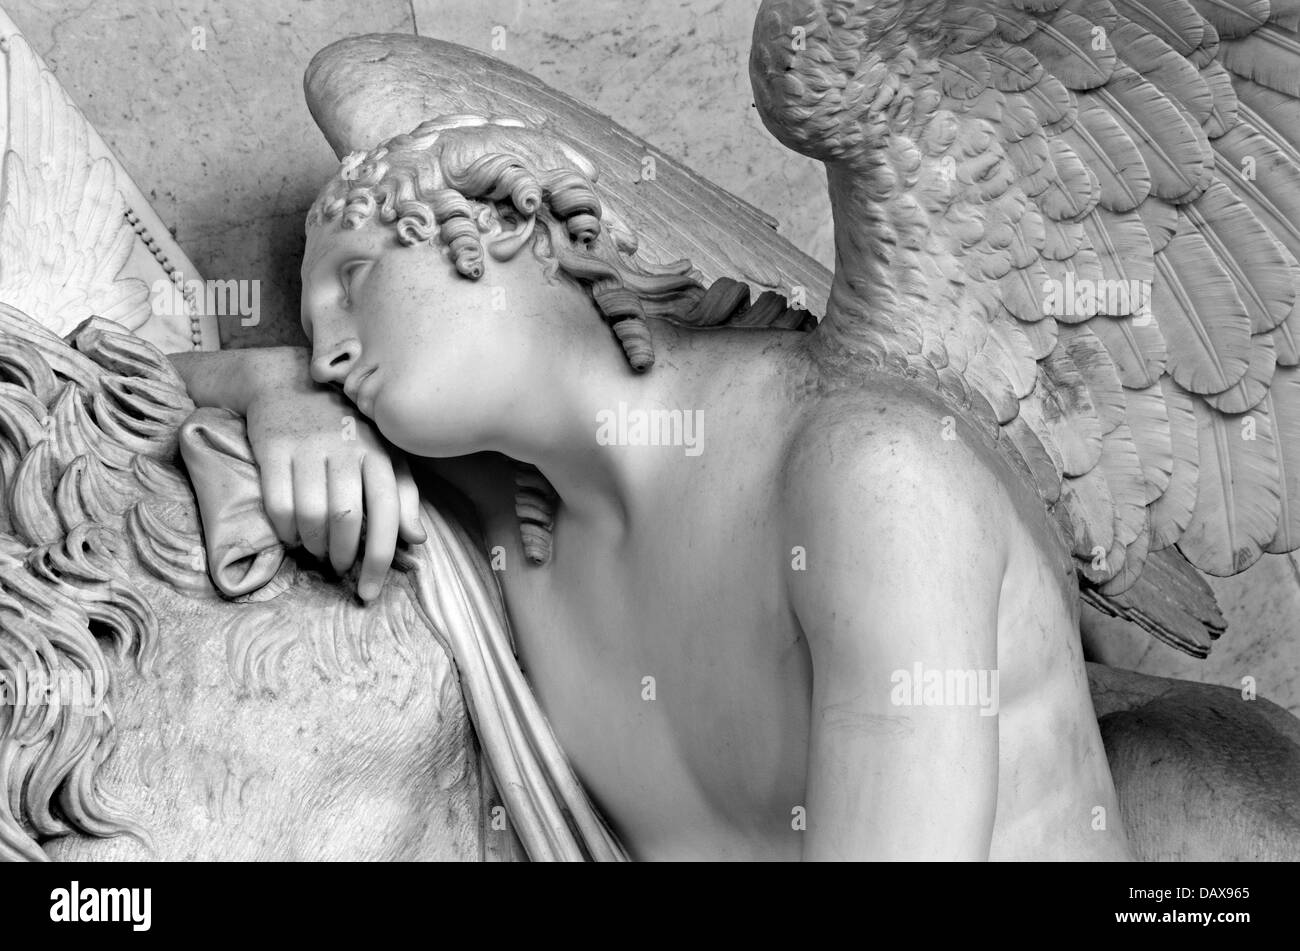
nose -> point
(331, 362)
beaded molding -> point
(178, 279)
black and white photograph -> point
(747, 431)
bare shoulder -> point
(894, 460)
(894, 441)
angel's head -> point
(416, 292)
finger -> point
(380, 487)
(343, 488)
(311, 506)
(277, 499)
(409, 528)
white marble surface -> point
(221, 141)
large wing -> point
(77, 238)
(1079, 218)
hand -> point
(324, 467)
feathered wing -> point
(1082, 220)
(64, 235)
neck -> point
(597, 479)
(597, 437)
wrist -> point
(275, 368)
(234, 379)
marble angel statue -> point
(780, 583)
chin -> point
(414, 441)
(413, 427)
(394, 429)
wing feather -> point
(1172, 511)
(1267, 56)
(1100, 142)
(1065, 46)
(1282, 404)
(1148, 421)
(1174, 21)
(1169, 143)
(1223, 109)
(1174, 75)
(1241, 243)
(1234, 18)
(64, 237)
(1238, 491)
(1136, 347)
(1096, 368)
(1204, 323)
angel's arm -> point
(903, 569)
(323, 467)
(231, 378)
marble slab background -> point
(203, 103)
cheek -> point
(435, 368)
(438, 418)
(411, 413)
(402, 410)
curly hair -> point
(457, 180)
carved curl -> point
(458, 179)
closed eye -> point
(351, 274)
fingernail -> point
(368, 591)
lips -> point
(353, 384)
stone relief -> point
(598, 522)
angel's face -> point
(417, 347)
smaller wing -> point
(77, 238)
